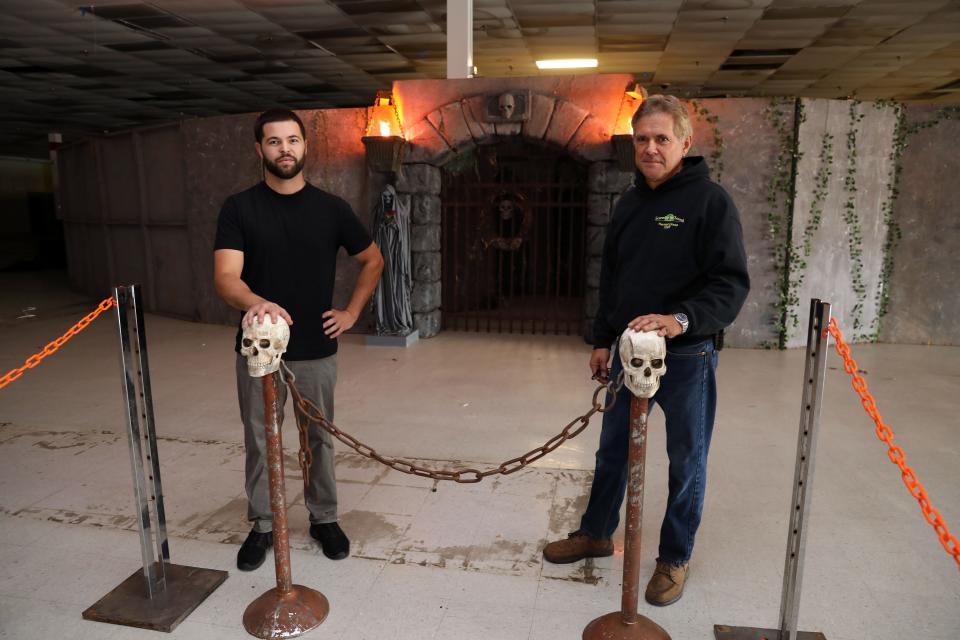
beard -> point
(281, 172)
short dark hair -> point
(276, 115)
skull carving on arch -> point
(643, 354)
(506, 105)
(263, 344)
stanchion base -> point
(723, 632)
(286, 615)
(612, 627)
(130, 603)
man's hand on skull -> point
(665, 326)
(265, 308)
(337, 322)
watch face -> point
(682, 319)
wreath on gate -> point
(505, 223)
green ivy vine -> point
(716, 155)
(780, 197)
(903, 132)
(461, 163)
(798, 254)
(892, 239)
(852, 220)
(821, 182)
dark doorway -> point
(514, 224)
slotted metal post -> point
(141, 436)
(162, 594)
(813, 379)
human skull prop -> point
(643, 354)
(263, 344)
(506, 105)
(506, 209)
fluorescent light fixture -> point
(571, 63)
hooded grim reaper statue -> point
(391, 232)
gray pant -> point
(315, 380)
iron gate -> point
(514, 225)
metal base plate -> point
(612, 627)
(723, 632)
(374, 340)
(129, 603)
(286, 615)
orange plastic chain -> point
(895, 453)
(35, 359)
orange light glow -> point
(632, 99)
(627, 109)
(383, 120)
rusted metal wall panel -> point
(173, 274)
(78, 182)
(161, 156)
(118, 166)
(127, 246)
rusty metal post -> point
(627, 624)
(289, 610)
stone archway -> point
(458, 127)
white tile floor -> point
(435, 561)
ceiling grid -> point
(78, 67)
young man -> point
(674, 263)
(275, 255)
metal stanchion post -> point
(813, 377)
(289, 610)
(627, 624)
(162, 594)
(642, 354)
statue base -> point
(375, 340)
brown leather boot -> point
(577, 546)
(666, 584)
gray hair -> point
(670, 105)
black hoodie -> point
(676, 248)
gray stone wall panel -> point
(425, 296)
(426, 266)
(924, 307)
(418, 178)
(425, 237)
(428, 324)
(426, 209)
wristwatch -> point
(683, 320)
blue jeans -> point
(688, 397)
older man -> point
(673, 262)
(276, 254)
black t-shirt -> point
(289, 245)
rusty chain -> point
(894, 452)
(309, 413)
(52, 347)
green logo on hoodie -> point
(669, 221)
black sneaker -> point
(332, 540)
(254, 550)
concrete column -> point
(459, 39)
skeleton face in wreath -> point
(506, 209)
(506, 105)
